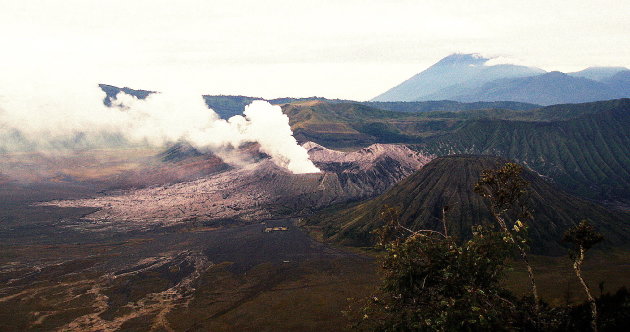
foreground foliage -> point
(434, 282)
(583, 236)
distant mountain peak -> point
(463, 59)
(456, 71)
(598, 73)
(472, 77)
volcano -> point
(258, 190)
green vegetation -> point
(433, 282)
(506, 189)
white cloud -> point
(53, 117)
(360, 46)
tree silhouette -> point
(583, 236)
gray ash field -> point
(60, 277)
(64, 269)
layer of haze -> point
(59, 119)
(339, 49)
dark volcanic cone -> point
(449, 181)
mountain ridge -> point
(585, 148)
(546, 89)
(468, 78)
(451, 72)
(597, 73)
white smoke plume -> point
(51, 119)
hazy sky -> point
(337, 49)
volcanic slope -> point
(449, 181)
(345, 125)
(256, 191)
(351, 125)
(584, 148)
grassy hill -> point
(348, 125)
(338, 125)
(584, 148)
(449, 181)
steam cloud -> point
(52, 119)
